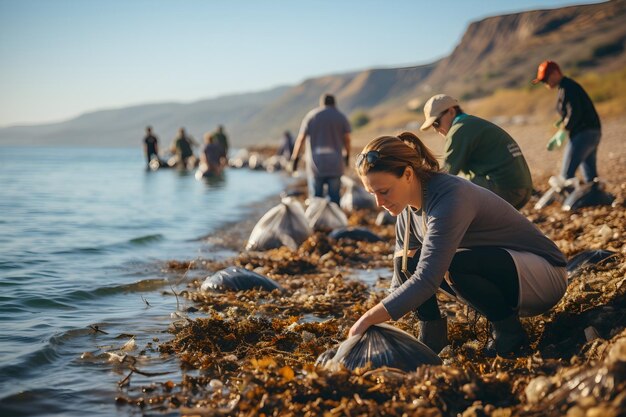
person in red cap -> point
(579, 119)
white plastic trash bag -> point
(240, 159)
(283, 225)
(355, 197)
(380, 345)
(323, 214)
(275, 163)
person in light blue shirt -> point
(327, 148)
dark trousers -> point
(581, 150)
(485, 278)
(333, 185)
(149, 156)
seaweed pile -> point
(253, 352)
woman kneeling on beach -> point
(495, 260)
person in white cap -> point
(485, 153)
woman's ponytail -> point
(428, 161)
(394, 153)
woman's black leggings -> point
(485, 278)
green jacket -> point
(481, 150)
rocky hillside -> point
(358, 91)
(504, 51)
(495, 53)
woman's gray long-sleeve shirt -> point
(459, 214)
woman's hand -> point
(374, 315)
(359, 327)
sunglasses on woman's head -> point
(371, 157)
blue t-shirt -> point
(213, 152)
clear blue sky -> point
(60, 58)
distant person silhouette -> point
(286, 147)
(150, 145)
(220, 138)
(486, 154)
(182, 149)
(212, 160)
(327, 148)
(579, 119)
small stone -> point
(537, 389)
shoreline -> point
(254, 352)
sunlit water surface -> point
(84, 236)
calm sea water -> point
(84, 235)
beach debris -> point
(586, 195)
(256, 161)
(116, 357)
(238, 279)
(275, 163)
(538, 388)
(380, 345)
(133, 370)
(97, 329)
(355, 197)
(283, 225)
(596, 390)
(580, 261)
(591, 333)
(355, 233)
(145, 301)
(130, 345)
(240, 159)
(325, 215)
(574, 195)
(559, 189)
(605, 232)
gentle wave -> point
(22, 403)
(20, 263)
(69, 300)
(138, 241)
(32, 363)
(44, 303)
(146, 239)
(95, 294)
